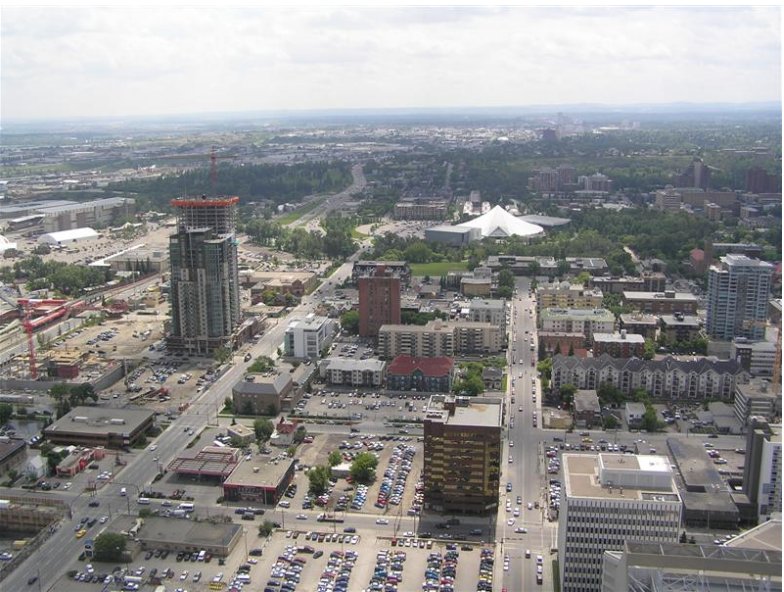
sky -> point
(82, 61)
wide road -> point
(523, 447)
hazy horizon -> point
(86, 62)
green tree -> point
(567, 394)
(266, 528)
(562, 268)
(334, 458)
(263, 428)
(363, 469)
(109, 546)
(228, 404)
(299, 434)
(649, 421)
(534, 268)
(610, 422)
(222, 355)
(650, 350)
(418, 252)
(262, 364)
(571, 349)
(471, 385)
(349, 321)
(6, 411)
(583, 278)
(318, 478)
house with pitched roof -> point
(421, 374)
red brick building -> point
(379, 302)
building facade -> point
(611, 499)
(619, 345)
(663, 379)
(259, 394)
(756, 357)
(439, 338)
(757, 399)
(737, 298)
(762, 468)
(100, 212)
(420, 209)
(577, 320)
(488, 311)
(305, 339)
(421, 374)
(341, 371)
(379, 301)
(462, 451)
(399, 269)
(204, 294)
(667, 302)
(566, 295)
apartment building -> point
(667, 302)
(757, 399)
(610, 499)
(462, 452)
(737, 298)
(439, 338)
(577, 320)
(488, 311)
(421, 374)
(420, 209)
(379, 300)
(205, 297)
(566, 295)
(342, 371)
(669, 378)
(619, 345)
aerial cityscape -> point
(437, 299)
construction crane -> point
(25, 313)
(214, 157)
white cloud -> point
(146, 60)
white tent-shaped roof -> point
(500, 223)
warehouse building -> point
(97, 426)
(456, 236)
(68, 237)
(173, 534)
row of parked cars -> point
(441, 572)
(388, 571)
(337, 573)
(394, 483)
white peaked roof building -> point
(500, 223)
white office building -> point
(306, 338)
(611, 499)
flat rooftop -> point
(96, 420)
(255, 473)
(464, 411)
(618, 338)
(765, 536)
(581, 476)
(188, 532)
(675, 296)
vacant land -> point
(438, 269)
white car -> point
(382, 521)
(103, 519)
(153, 448)
(530, 506)
(184, 575)
(302, 516)
(516, 512)
(521, 530)
(510, 522)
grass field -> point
(357, 234)
(438, 269)
(299, 212)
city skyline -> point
(78, 61)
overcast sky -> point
(86, 61)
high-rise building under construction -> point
(205, 296)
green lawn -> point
(438, 269)
(357, 234)
(290, 217)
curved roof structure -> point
(500, 223)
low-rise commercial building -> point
(260, 482)
(211, 462)
(259, 394)
(13, 455)
(98, 426)
(476, 286)
(462, 450)
(173, 534)
(421, 374)
(296, 283)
